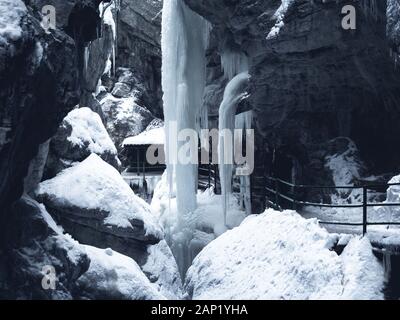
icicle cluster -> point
(108, 13)
(233, 62)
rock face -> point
(34, 244)
(38, 79)
(139, 46)
(124, 105)
(311, 80)
(80, 134)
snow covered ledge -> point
(284, 256)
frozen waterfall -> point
(184, 40)
(234, 92)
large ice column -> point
(184, 41)
(234, 92)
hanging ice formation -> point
(184, 42)
(233, 62)
(235, 65)
(108, 13)
(86, 59)
(234, 92)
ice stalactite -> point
(233, 62)
(184, 42)
(86, 59)
(235, 91)
(109, 13)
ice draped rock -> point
(312, 81)
(280, 255)
(80, 134)
(95, 205)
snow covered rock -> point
(11, 15)
(96, 206)
(162, 270)
(124, 118)
(80, 134)
(127, 106)
(114, 276)
(283, 256)
(36, 244)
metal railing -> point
(296, 203)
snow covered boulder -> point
(284, 256)
(12, 14)
(80, 134)
(125, 117)
(35, 246)
(96, 206)
(114, 276)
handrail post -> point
(365, 214)
(277, 193)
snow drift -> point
(284, 256)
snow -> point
(117, 275)
(280, 255)
(162, 270)
(88, 130)
(206, 221)
(151, 137)
(64, 241)
(11, 14)
(94, 184)
(362, 272)
(279, 17)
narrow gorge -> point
(199, 149)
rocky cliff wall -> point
(312, 81)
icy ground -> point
(345, 170)
(207, 220)
(283, 256)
